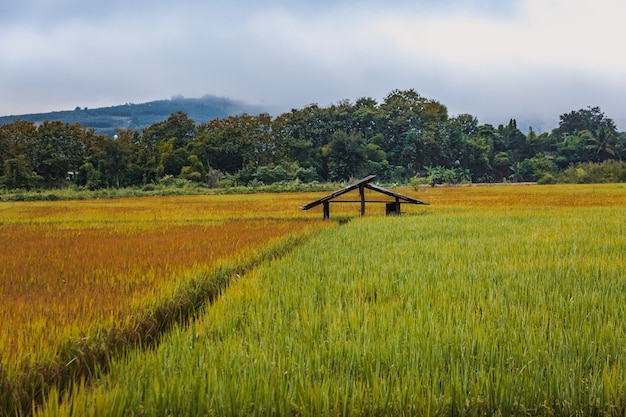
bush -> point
(547, 179)
(268, 175)
(591, 172)
(417, 182)
(307, 175)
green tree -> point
(194, 171)
(90, 177)
(467, 124)
(435, 134)
(476, 157)
(130, 145)
(58, 149)
(291, 142)
(501, 165)
(114, 162)
(346, 156)
(586, 135)
(368, 118)
(17, 173)
(414, 129)
(591, 119)
(374, 153)
(514, 141)
(268, 175)
(267, 150)
(401, 110)
(178, 129)
(575, 149)
(540, 166)
(177, 126)
(544, 143)
(436, 175)
(307, 175)
(172, 160)
(16, 139)
(604, 145)
(304, 133)
(218, 147)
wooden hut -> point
(392, 207)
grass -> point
(166, 187)
(491, 301)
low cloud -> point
(528, 59)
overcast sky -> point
(496, 59)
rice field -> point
(81, 281)
(491, 301)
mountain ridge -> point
(106, 120)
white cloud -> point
(494, 59)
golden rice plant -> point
(80, 280)
(497, 305)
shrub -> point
(591, 172)
(547, 179)
(417, 182)
(307, 175)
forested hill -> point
(138, 116)
(405, 137)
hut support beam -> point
(362, 192)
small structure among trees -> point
(392, 207)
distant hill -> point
(137, 116)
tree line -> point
(405, 136)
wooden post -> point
(397, 206)
(362, 192)
(326, 210)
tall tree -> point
(466, 145)
(514, 141)
(17, 173)
(591, 119)
(368, 118)
(402, 111)
(58, 149)
(114, 165)
(346, 156)
(172, 159)
(16, 144)
(586, 135)
(302, 133)
(178, 126)
(413, 122)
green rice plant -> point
(457, 311)
(82, 281)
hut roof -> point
(362, 183)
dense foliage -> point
(406, 136)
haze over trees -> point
(405, 136)
(138, 116)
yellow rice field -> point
(72, 268)
(598, 195)
(490, 301)
(66, 266)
